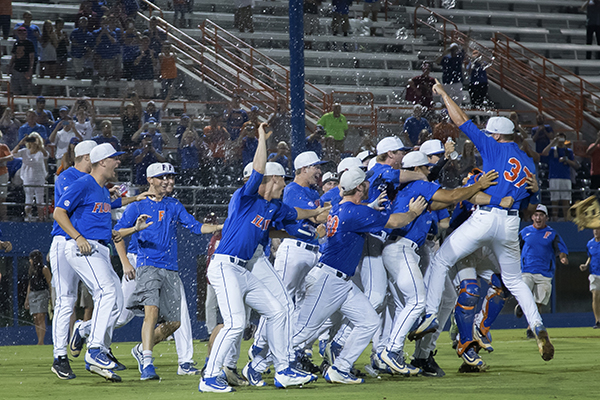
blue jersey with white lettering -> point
(157, 244)
(383, 178)
(513, 165)
(593, 250)
(61, 184)
(418, 229)
(333, 196)
(539, 249)
(347, 225)
(88, 205)
(307, 198)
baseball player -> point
(540, 245)
(333, 289)
(593, 263)
(236, 287)
(493, 226)
(84, 213)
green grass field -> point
(516, 371)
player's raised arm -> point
(260, 156)
(319, 214)
(415, 208)
(457, 115)
(211, 228)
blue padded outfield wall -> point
(573, 307)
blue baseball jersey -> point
(157, 244)
(513, 165)
(347, 225)
(539, 249)
(61, 184)
(88, 205)
(437, 216)
(593, 250)
(283, 215)
(383, 178)
(306, 198)
(418, 229)
(132, 247)
(249, 216)
(333, 196)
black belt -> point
(334, 271)
(393, 238)
(508, 212)
(234, 260)
(309, 247)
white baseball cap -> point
(372, 163)
(415, 159)
(390, 143)
(155, 170)
(84, 147)
(347, 163)
(352, 178)
(330, 176)
(500, 125)
(431, 147)
(102, 152)
(542, 208)
(247, 171)
(307, 159)
(274, 169)
(363, 155)
(170, 168)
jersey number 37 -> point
(515, 171)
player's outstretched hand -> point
(377, 203)
(128, 271)
(532, 184)
(583, 267)
(507, 202)
(438, 88)
(6, 246)
(265, 129)
(141, 222)
(488, 179)
(417, 205)
(85, 248)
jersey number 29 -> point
(514, 172)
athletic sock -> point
(147, 357)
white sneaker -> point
(334, 375)
(292, 377)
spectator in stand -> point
(62, 48)
(242, 18)
(85, 10)
(593, 151)
(234, 118)
(157, 38)
(248, 139)
(468, 159)
(63, 113)
(366, 141)
(82, 41)
(22, 63)
(371, 7)
(33, 33)
(341, 9)
(5, 156)
(181, 7)
(335, 125)
(131, 119)
(150, 129)
(330, 150)
(451, 61)
(38, 293)
(48, 45)
(44, 117)
(593, 263)
(313, 142)
(542, 134)
(415, 124)
(445, 129)
(311, 20)
(85, 105)
(33, 171)
(168, 69)
(131, 8)
(185, 123)
(282, 156)
(418, 90)
(99, 7)
(131, 48)
(144, 70)
(106, 135)
(592, 24)
(32, 126)
(560, 161)
(189, 152)
(84, 124)
(5, 15)
(281, 123)
(68, 159)
(424, 136)
(145, 155)
(9, 126)
(105, 51)
(151, 112)
(216, 139)
(62, 135)
(478, 85)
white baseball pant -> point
(127, 287)
(97, 273)
(293, 262)
(211, 308)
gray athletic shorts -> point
(38, 301)
(157, 287)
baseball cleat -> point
(485, 341)
(543, 341)
(99, 358)
(233, 377)
(149, 373)
(216, 384)
(429, 366)
(379, 365)
(293, 377)
(429, 324)
(253, 351)
(332, 351)
(518, 311)
(334, 375)
(471, 358)
(596, 325)
(252, 376)
(77, 341)
(136, 352)
(304, 363)
(468, 369)
(396, 362)
(106, 373)
(111, 357)
(62, 368)
(529, 334)
(187, 369)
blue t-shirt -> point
(25, 130)
(593, 250)
(333, 196)
(157, 244)
(61, 184)
(418, 229)
(542, 143)
(414, 126)
(88, 206)
(507, 159)
(539, 249)
(341, 6)
(140, 168)
(189, 157)
(558, 170)
(307, 198)
(452, 68)
(347, 225)
(80, 42)
(106, 49)
(282, 160)
(234, 122)
(249, 215)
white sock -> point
(147, 357)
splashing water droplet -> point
(432, 20)
(448, 4)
